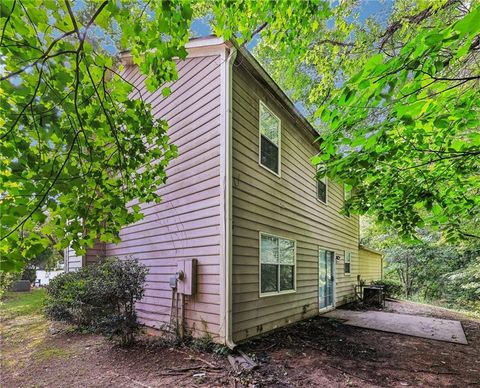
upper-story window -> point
(322, 189)
(270, 139)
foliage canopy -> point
(73, 144)
(398, 109)
(397, 106)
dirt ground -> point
(318, 352)
(323, 352)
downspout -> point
(228, 199)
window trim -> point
(345, 262)
(279, 173)
(273, 293)
(326, 189)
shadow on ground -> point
(317, 352)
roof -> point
(255, 68)
(370, 250)
(264, 78)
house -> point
(271, 244)
(43, 277)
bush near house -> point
(100, 298)
(391, 288)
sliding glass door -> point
(326, 282)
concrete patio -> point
(413, 325)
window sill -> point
(323, 203)
(271, 171)
(267, 294)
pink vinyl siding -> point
(285, 206)
(186, 224)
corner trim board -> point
(227, 113)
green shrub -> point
(6, 279)
(100, 298)
(391, 288)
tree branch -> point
(45, 56)
(417, 18)
(7, 21)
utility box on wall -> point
(187, 284)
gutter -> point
(360, 246)
(228, 197)
(277, 90)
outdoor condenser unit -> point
(373, 295)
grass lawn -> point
(16, 304)
(24, 329)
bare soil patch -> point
(66, 359)
(322, 351)
(317, 352)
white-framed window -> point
(322, 189)
(347, 266)
(270, 131)
(277, 264)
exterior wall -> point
(286, 206)
(72, 261)
(186, 224)
(371, 265)
(43, 277)
(95, 253)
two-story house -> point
(271, 244)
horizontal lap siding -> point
(93, 254)
(74, 261)
(370, 265)
(186, 224)
(285, 206)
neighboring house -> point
(43, 277)
(371, 264)
(241, 198)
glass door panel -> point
(326, 279)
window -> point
(270, 128)
(348, 263)
(277, 264)
(322, 188)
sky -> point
(378, 9)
